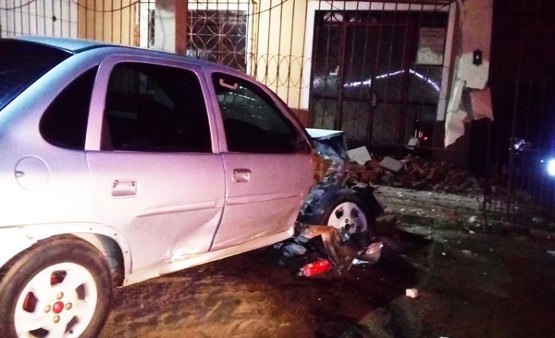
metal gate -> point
(366, 78)
(522, 137)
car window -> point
(154, 108)
(64, 123)
(21, 63)
(252, 122)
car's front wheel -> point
(346, 212)
(57, 288)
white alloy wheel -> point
(58, 301)
(350, 216)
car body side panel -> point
(43, 186)
(174, 209)
(41, 183)
(168, 202)
(176, 205)
(268, 202)
(192, 260)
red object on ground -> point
(315, 268)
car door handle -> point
(241, 175)
(124, 188)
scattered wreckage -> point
(336, 225)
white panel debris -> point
(360, 155)
(391, 164)
(475, 76)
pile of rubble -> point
(414, 173)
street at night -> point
(471, 279)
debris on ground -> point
(415, 173)
(427, 207)
(293, 249)
(360, 155)
(322, 248)
(370, 255)
(315, 268)
(392, 164)
(411, 293)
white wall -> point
(39, 17)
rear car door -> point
(155, 175)
(267, 162)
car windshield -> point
(22, 63)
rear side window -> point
(155, 108)
(22, 63)
(64, 122)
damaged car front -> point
(336, 225)
(350, 207)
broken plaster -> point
(475, 29)
(475, 76)
(454, 121)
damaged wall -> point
(470, 96)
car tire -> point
(58, 287)
(345, 211)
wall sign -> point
(431, 46)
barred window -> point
(218, 36)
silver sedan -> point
(121, 164)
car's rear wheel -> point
(57, 288)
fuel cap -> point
(31, 173)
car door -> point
(267, 162)
(155, 175)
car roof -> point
(76, 46)
(70, 45)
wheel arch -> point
(111, 250)
(106, 240)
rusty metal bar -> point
(338, 119)
(291, 56)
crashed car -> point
(121, 164)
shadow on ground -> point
(251, 296)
